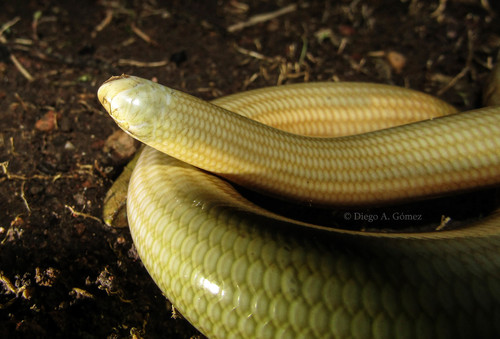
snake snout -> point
(109, 90)
(126, 99)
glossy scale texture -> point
(236, 270)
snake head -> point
(128, 100)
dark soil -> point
(64, 273)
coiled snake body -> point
(236, 270)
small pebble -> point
(69, 146)
(396, 60)
(121, 144)
(48, 122)
(346, 30)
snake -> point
(237, 269)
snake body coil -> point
(236, 270)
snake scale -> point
(237, 270)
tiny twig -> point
(21, 102)
(6, 26)
(12, 151)
(5, 165)
(20, 68)
(81, 293)
(444, 222)
(440, 9)
(142, 35)
(453, 81)
(23, 197)
(136, 63)
(34, 24)
(250, 53)
(81, 214)
(303, 51)
(261, 18)
(8, 285)
(14, 60)
(465, 70)
(104, 23)
(486, 6)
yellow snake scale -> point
(236, 270)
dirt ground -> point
(62, 271)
